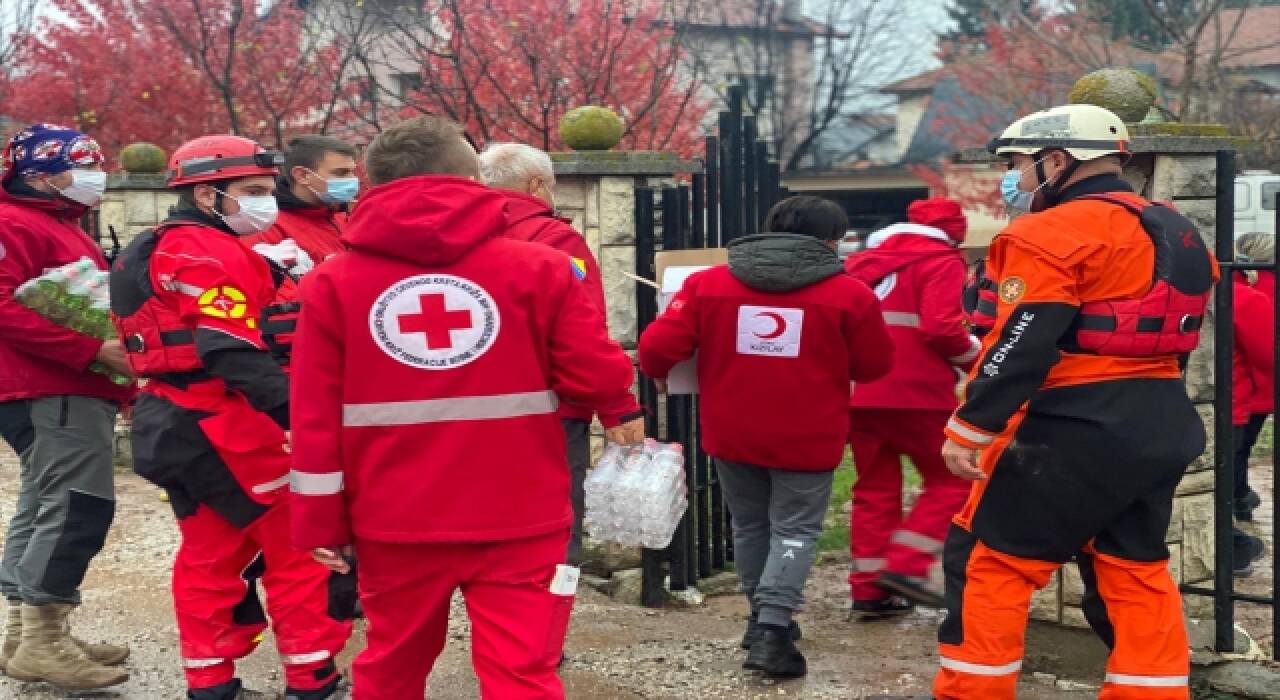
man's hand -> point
(335, 561)
(112, 355)
(962, 461)
(631, 433)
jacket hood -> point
(895, 247)
(427, 219)
(522, 207)
(19, 193)
(781, 262)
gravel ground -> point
(615, 651)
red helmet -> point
(221, 157)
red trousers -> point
(880, 538)
(518, 624)
(220, 618)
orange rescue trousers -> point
(1098, 492)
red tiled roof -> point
(922, 82)
(1256, 41)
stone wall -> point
(133, 203)
(1181, 170)
(597, 191)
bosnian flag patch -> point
(579, 268)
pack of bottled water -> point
(637, 495)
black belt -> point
(134, 343)
(1146, 324)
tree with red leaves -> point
(165, 71)
(510, 69)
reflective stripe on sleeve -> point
(309, 484)
(460, 408)
(900, 318)
(968, 433)
(270, 486)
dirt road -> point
(615, 651)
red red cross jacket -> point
(426, 367)
(1253, 363)
(533, 221)
(1264, 400)
(919, 276)
(37, 356)
(778, 344)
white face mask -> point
(87, 187)
(255, 216)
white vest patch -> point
(769, 331)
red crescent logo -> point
(780, 326)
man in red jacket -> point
(56, 413)
(428, 361)
(919, 275)
(317, 186)
(525, 175)
(1255, 247)
(210, 425)
(1252, 382)
(780, 332)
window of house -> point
(1269, 192)
(407, 84)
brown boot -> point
(12, 633)
(47, 654)
(100, 652)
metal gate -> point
(741, 180)
(1223, 590)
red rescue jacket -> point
(426, 367)
(1253, 359)
(37, 356)
(919, 277)
(1264, 400)
(530, 219)
(778, 343)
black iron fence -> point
(1223, 591)
(740, 181)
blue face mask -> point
(1018, 200)
(340, 190)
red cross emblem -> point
(436, 322)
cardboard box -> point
(673, 267)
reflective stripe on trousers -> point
(980, 669)
(1147, 681)
(459, 408)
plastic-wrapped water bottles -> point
(636, 496)
(76, 296)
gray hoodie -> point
(782, 262)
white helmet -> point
(1085, 131)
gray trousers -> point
(66, 498)
(578, 443)
(777, 518)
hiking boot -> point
(47, 654)
(776, 655)
(336, 689)
(753, 632)
(883, 609)
(912, 588)
(100, 652)
(1244, 507)
(12, 633)
(231, 690)
(1247, 550)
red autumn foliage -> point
(510, 69)
(165, 71)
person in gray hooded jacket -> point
(780, 333)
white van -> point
(1256, 194)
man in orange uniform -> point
(1076, 427)
(210, 425)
